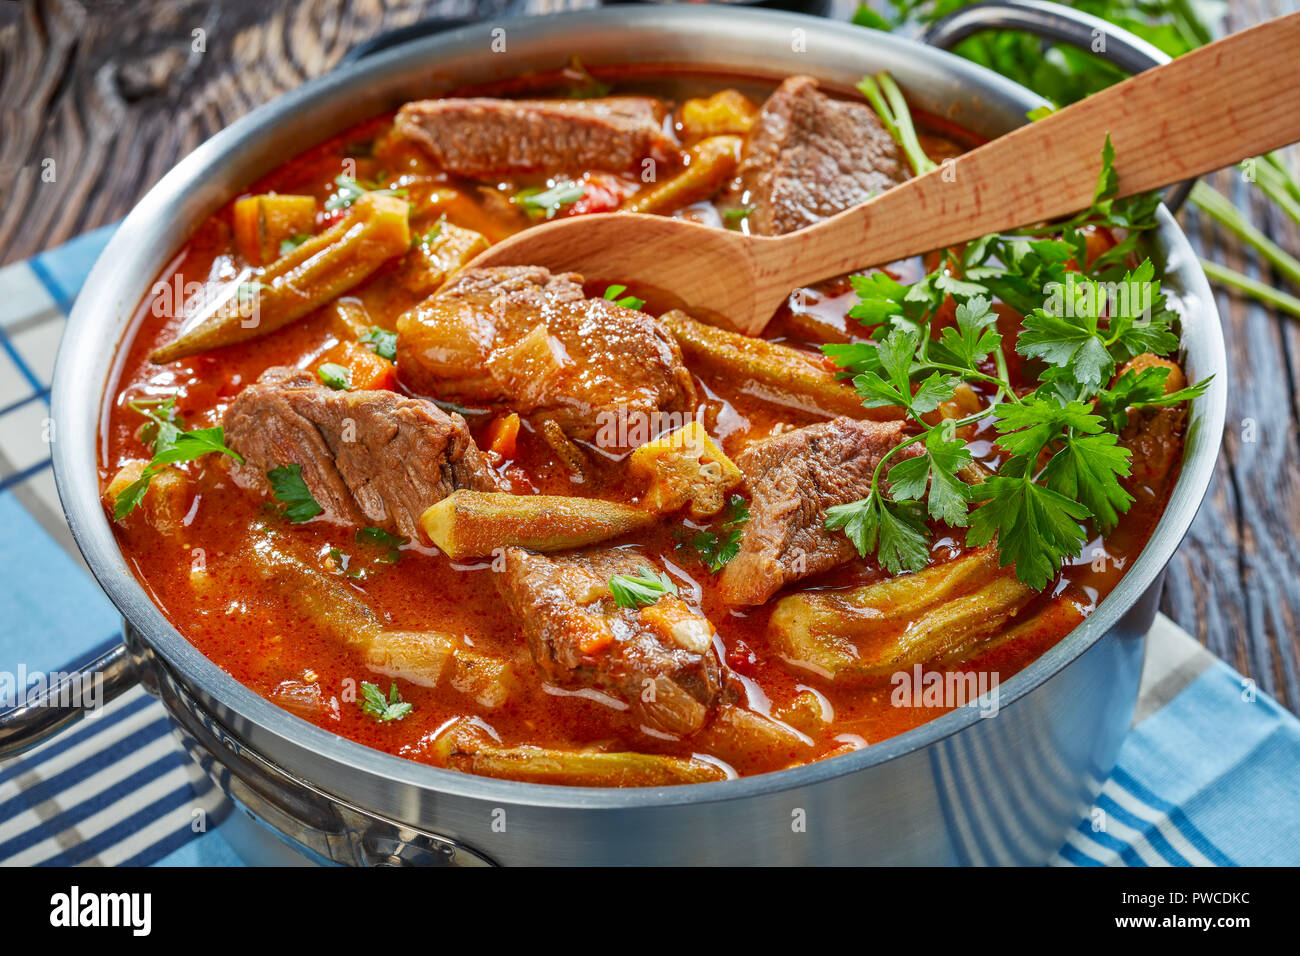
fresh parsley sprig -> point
(1084, 317)
(170, 445)
(716, 548)
(383, 709)
(350, 189)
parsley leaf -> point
(293, 242)
(1037, 528)
(641, 589)
(350, 190)
(895, 532)
(383, 341)
(949, 496)
(383, 709)
(288, 487)
(717, 548)
(548, 202)
(615, 294)
(381, 538)
(335, 376)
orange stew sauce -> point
(199, 573)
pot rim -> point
(78, 405)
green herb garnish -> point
(335, 376)
(548, 202)
(732, 218)
(170, 446)
(382, 539)
(615, 294)
(383, 709)
(641, 589)
(716, 548)
(288, 487)
(293, 242)
(383, 342)
(350, 190)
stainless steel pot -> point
(959, 789)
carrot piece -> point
(262, 223)
(503, 434)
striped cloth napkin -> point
(1209, 774)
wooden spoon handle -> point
(1207, 109)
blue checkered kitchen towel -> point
(1209, 775)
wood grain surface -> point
(114, 93)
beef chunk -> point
(368, 457)
(520, 336)
(809, 157)
(486, 137)
(660, 659)
(793, 479)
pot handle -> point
(1060, 24)
(35, 721)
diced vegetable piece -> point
(685, 467)
(303, 698)
(366, 370)
(436, 255)
(872, 631)
(578, 768)
(427, 658)
(503, 435)
(473, 523)
(263, 222)
(319, 270)
(166, 501)
(712, 162)
(770, 371)
(727, 111)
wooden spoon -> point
(1207, 109)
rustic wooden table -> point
(115, 92)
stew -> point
(545, 527)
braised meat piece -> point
(809, 157)
(368, 457)
(660, 660)
(531, 340)
(793, 479)
(484, 137)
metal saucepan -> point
(958, 789)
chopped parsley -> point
(170, 445)
(288, 488)
(716, 548)
(382, 341)
(641, 589)
(382, 539)
(335, 376)
(548, 202)
(732, 218)
(350, 190)
(383, 709)
(615, 294)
